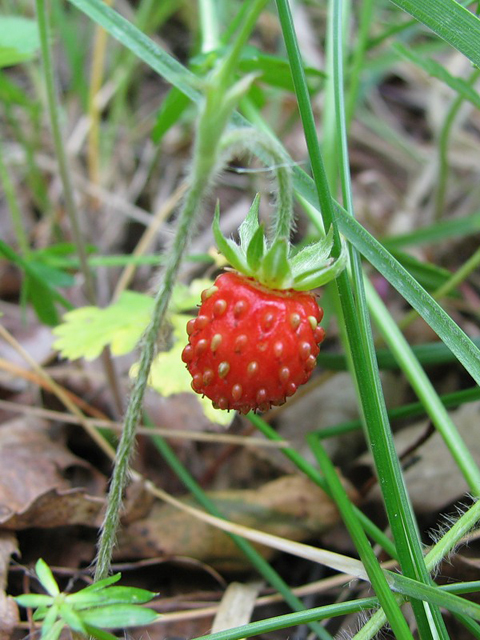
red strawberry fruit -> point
(256, 337)
(251, 347)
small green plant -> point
(89, 611)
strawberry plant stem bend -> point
(219, 103)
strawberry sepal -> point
(275, 263)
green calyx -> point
(276, 264)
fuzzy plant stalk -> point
(219, 102)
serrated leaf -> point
(256, 249)
(168, 374)
(33, 600)
(250, 225)
(85, 332)
(275, 270)
(45, 576)
(314, 256)
(110, 595)
(118, 616)
(227, 247)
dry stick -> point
(59, 391)
(179, 434)
(25, 374)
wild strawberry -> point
(256, 337)
(251, 347)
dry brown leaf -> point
(291, 507)
(237, 605)
(42, 484)
(9, 616)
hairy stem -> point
(268, 150)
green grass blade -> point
(311, 472)
(412, 410)
(436, 70)
(448, 19)
(262, 566)
(142, 46)
(361, 346)
(386, 598)
(424, 390)
(446, 229)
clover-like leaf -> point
(86, 331)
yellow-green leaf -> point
(168, 374)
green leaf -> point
(11, 93)
(256, 249)
(72, 618)
(227, 247)
(42, 300)
(250, 225)
(185, 298)
(448, 19)
(314, 256)
(33, 600)
(19, 40)
(110, 595)
(429, 275)
(95, 632)
(97, 586)
(52, 632)
(442, 230)
(275, 71)
(173, 106)
(117, 616)
(319, 277)
(168, 374)
(85, 332)
(451, 334)
(275, 270)
(46, 578)
(436, 70)
(54, 276)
